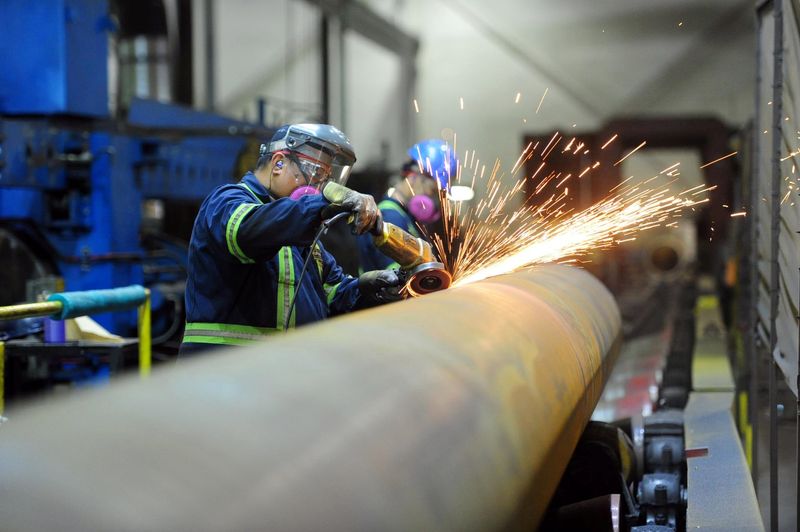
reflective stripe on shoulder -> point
(225, 333)
(250, 190)
(232, 229)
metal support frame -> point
(334, 64)
(345, 15)
(752, 293)
(210, 58)
(777, 114)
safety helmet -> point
(435, 158)
(321, 151)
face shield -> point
(321, 152)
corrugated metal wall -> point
(788, 338)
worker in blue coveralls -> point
(250, 241)
(414, 198)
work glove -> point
(363, 207)
(378, 287)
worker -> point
(251, 239)
(414, 197)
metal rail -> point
(775, 215)
(30, 310)
(455, 411)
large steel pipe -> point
(455, 411)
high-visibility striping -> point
(229, 327)
(200, 339)
(330, 292)
(224, 333)
(291, 286)
(250, 190)
(286, 286)
(233, 228)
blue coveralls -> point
(245, 256)
(370, 257)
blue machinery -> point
(74, 179)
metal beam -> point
(774, 287)
(752, 350)
(454, 411)
(362, 20)
(719, 34)
(210, 55)
(343, 15)
(500, 38)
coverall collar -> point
(255, 185)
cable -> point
(326, 224)
(177, 321)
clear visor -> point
(319, 170)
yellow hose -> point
(145, 355)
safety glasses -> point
(313, 171)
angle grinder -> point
(423, 273)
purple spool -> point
(54, 331)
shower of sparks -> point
(416, 105)
(461, 102)
(637, 148)
(738, 214)
(718, 160)
(542, 100)
(488, 238)
(516, 100)
(609, 141)
(792, 154)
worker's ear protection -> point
(279, 164)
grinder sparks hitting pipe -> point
(424, 274)
(420, 272)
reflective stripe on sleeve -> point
(233, 228)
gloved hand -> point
(362, 206)
(378, 287)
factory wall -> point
(468, 77)
(268, 50)
(636, 71)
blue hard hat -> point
(436, 159)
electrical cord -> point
(326, 224)
(177, 321)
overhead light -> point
(460, 193)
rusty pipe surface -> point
(455, 411)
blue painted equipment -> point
(50, 49)
(74, 179)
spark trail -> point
(490, 239)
